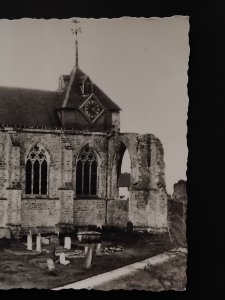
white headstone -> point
(44, 240)
(85, 250)
(67, 243)
(99, 248)
(62, 259)
(79, 237)
(38, 243)
(50, 264)
(29, 241)
(99, 225)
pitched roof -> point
(28, 107)
(74, 96)
(37, 108)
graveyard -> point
(50, 261)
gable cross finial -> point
(75, 31)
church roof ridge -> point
(27, 89)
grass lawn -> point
(23, 271)
(170, 275)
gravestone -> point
(54, 239)
(90, 255)
(99, 248)
(29, 241)
(50, 264)
(99, 225)
(130, 227)
(67, 243)
(79, 237)
(44, 240)
(62, 259)
(38, 242)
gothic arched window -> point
(86, 173)
(37, 171)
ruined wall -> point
(157, 216)
(148, 197)
(118, 144)
(177, 205)
(178, 201)
(179, 192)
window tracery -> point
(86, 173)
(37, 171)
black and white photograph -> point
(93, 153)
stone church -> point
(60, 161)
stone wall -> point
(116, 121)
(98, 143)
(3, 213)
(117, 213)
(52, 143)
(147, 206)
(40, 212)
(63, 150)
(177, 205)
(14, 206)
(66, 206)
(4, 163)
(179, 197)
(148, 197)
(89, 212)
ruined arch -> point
(116, 168)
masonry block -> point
(14, 206)
(66, 206)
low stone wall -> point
(89, 212)
(40, 212)
(44, 214)
(117, 213)
(95, 212)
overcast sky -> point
(140, 63)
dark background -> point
(206, 130)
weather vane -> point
(75, 31)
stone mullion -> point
(40, 178)
(82, 179)
(48, 175)
(90, 178)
